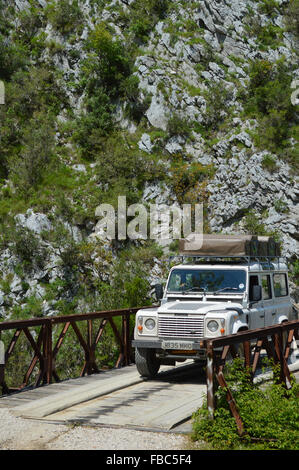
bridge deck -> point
(119, 397)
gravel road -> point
(26, 434)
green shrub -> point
(32, 100)
(105, 77)
(96, 123)
(143, 16)
(14, 55)
(292, 17)
(291, 155)
(64, 15)
(269, 7)
(178, 125)
(30, 21)
(270, 415)
(281, 206)
(189, 181)
(36, 154)
(26, 246)
(253, 225)
(269, 101)
(217, 97)
(295, 272)
(270, 36)
(124, 169)
(107, 64)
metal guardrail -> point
(275, 340)
(45, 355)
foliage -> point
(188, 180)
(30, 22)
(270, 416)
(292, 17)
(217, 97)
(107, 62)
(121, 166)
(36, 154)
(252, 224)
(178, 125)
(32, 100)
(269, 101)
(104, 76)
(129, 286)
(143, 16)
(269, 7)
(269, 162)
(64, 15)
(295, 272)
(13, 54)
(25, 246)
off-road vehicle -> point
(223, 285)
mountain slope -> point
(163, 101)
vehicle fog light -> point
(150, 324)
(213, 326)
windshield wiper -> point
(225, 288)
(200, 289)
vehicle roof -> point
(252, 266)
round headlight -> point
(150, 324)
(213, 325)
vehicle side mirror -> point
(256, 293)
(159, 291)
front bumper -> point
(157, 344)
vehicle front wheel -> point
(239, 350)
(146, 361)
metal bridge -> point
(119, 397)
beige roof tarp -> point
(227, 245)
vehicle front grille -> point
(181, 326)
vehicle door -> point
(268, 301)
(256, 310)
(281, 296)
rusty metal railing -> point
(44, 352)
(275, 341)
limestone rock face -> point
(192, 72)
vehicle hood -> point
(196, 307)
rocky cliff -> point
(162, 101)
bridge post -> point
(2, 362)
(48, 353)
(210, 380)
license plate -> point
(185, 345)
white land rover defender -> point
(224, 285)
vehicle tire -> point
(146, 362)
(239, 347)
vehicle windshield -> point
(214, 281)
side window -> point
(266, 286)
(253, 281)
(280, 285)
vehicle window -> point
(280, 285)
(210, 280)
(253, 281)
(266, 287)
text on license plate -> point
(186, 345)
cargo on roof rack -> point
(228, 245)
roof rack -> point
(239, 248)
(263, 261)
